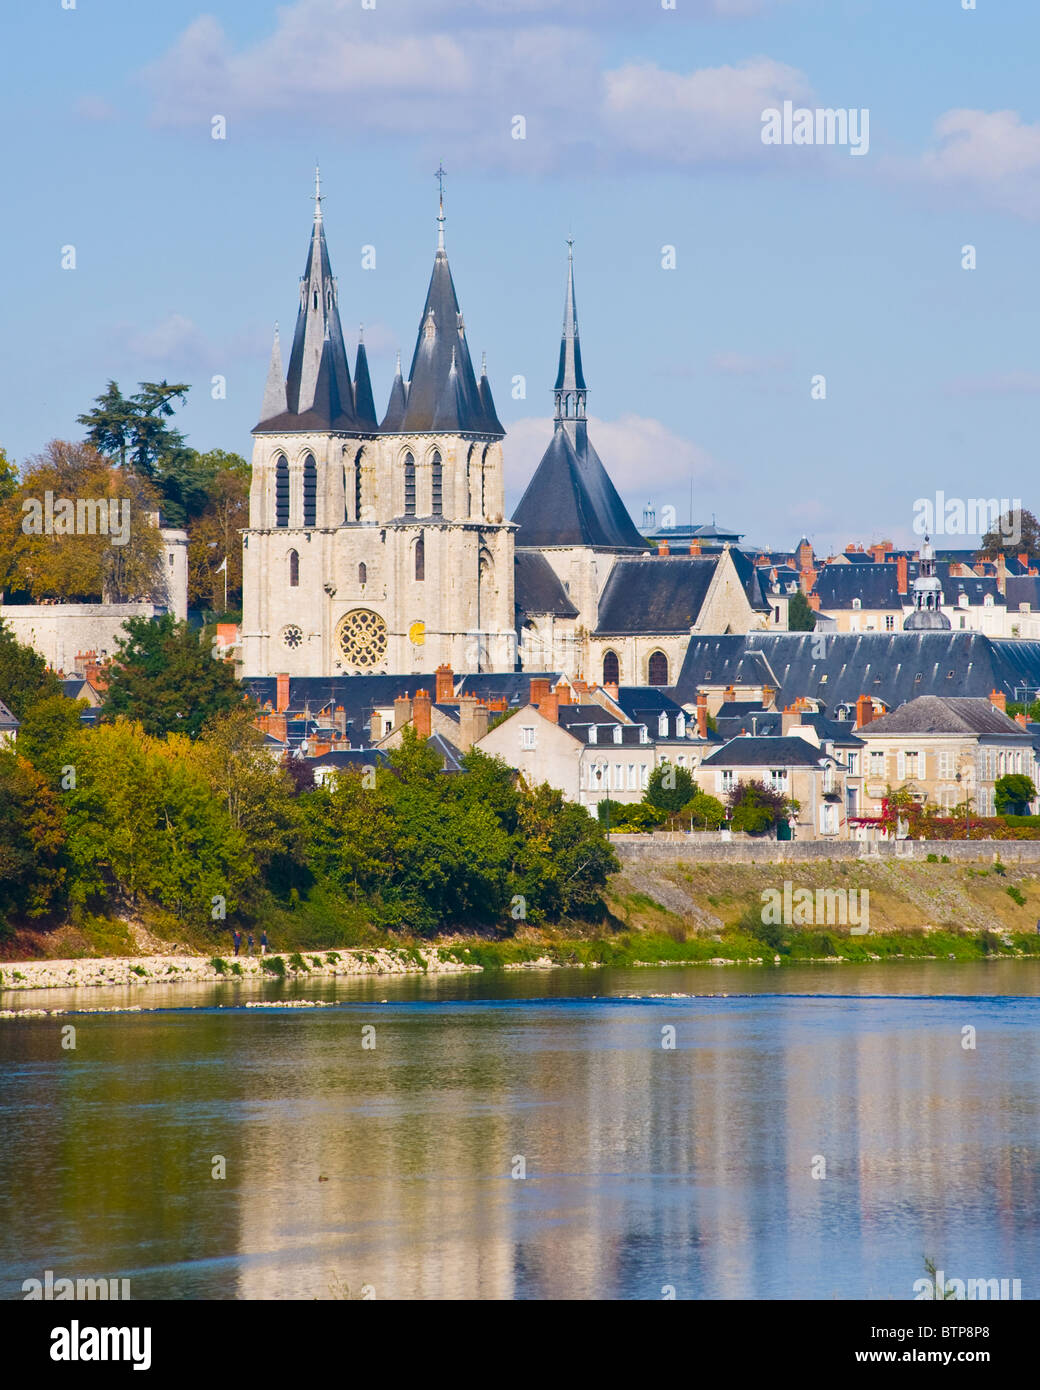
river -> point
(531, 1134)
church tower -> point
(376, 548)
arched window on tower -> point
(281, 492)
(409, 485)
(294, 569)
(611, 668)
(362, 573)
(420, 558)
(437, 485)
(657, 669)
(310, 491)
(357, 485)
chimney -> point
(563, 694)
(445, 687)
(1001, 573)
(790, 717)
(814, 602)
(1022, 720)
(473, 721)
(864, 711)
(998, 699)
(375, 726)
(580, 688)
(340, 719)
(549, 708)
(498, 706)
(702, 715)
(282, 698)
(540, 687)
(730, 694)
(695, 546)
(402, 711)
(1023, 559)
(902, 581)
(421, 719)
(662, 548)
(768, 696)
(612, 689)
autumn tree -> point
(216, 537)
(165, 678)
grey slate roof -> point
(875, 586)
(514, 686)
(1023, 589)
(442, 391)
(660, 595)
(766, 752)
(7, 720)
(936, 714)
(884, 665)
(571, 500)
(537, 587)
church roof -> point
(317, 393)
(537, 587)
(571, 501)
(442, 393)
(662, 595)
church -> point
(381, 546)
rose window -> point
(292, 636)
(362, 638)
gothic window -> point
(281, 493)
(611, 668)
(437, 486)
(362, 573)
(292, 637)
(362, 638)
(409, 485)
(357, 486)
(420, 558)
(294, 569)
(310, 491)
(657, 669)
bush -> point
(274, 965)
(1016, 895)
(669, 788)
(219, 965)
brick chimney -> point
(498, 706)
(814, 602)
(902, 577)
(549, 708)
(445, 687)
(730, 694)
(789, 718)
(768, 696)
(1001, 573)
(662, 548)
(375, 726)
(563, 694)
(864, 711)
(402, 711)
(702, 715)
(1022, 720)
(421, 718)
(473, 721)
(340, 719)
(580, 688)
(998, 699)
(1023, 559)
(695, 546)
(540, 687)
(612, 689)
(282, 697)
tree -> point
(669, 788)
(8, 476)
(757, 808)
(50, 735)
(120, 562)
(800, 615)
(1015, 523)
(32, 842)
(704, 810)
(132, 431)
(563, 858)
(164, 678)
(1013, 793)
(24, 677)
(216, 536)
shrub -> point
(274, 965)
(297, 961)
(236, 969)
(219, 965)
(1016, 895)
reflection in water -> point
(646, 1166)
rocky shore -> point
(159, 970)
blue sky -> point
(643, 130)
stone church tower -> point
(376, 547)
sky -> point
(642, 130)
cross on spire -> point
(317, 194)
(439, 175)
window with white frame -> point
(618, 782)
(778, 778)
(877, 763)
(527, 736)
(725, 782)
(644, 776)
(631, 777)
(852, 763)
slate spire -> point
(364, 402)
(274, 391)
(570, 391)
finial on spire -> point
(361, 333)
(483, 364)
(440, 176)
(398, 371)
(317, 193)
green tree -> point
(32, 843)
(563, 858)
(163, 677)
(8, 476)
(50, 735)
(756, 808)
(134, 433)
(1014, 523)
(24, 677)
(705, 811)
(669, 788)
(1013, 793)
(800, 615)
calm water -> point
(645, 1166)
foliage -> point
(8, 476)
(78, 566)
(800, 614)
(1013, 793)
(32, 840)
(166, 680)
(705, 811)
(24, 677)
(669, 788)
(49, 734)
(1019, 522)
(215, 534)
(756, 808)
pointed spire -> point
(451, 408)
(274, 391)
(487, 402)
(570, 390)
(365, 405)
(394, 417)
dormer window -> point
(617, 733)
(662, 725)
(857, 603)
(680, 726)
(592, 733)
(644, 736)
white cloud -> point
(94, 108)
(992, 156)
(175, 340)
(745, 364)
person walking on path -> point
(249, 942)
(263, 943)
(237, 936)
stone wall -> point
(58, 631)
(710, 848)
